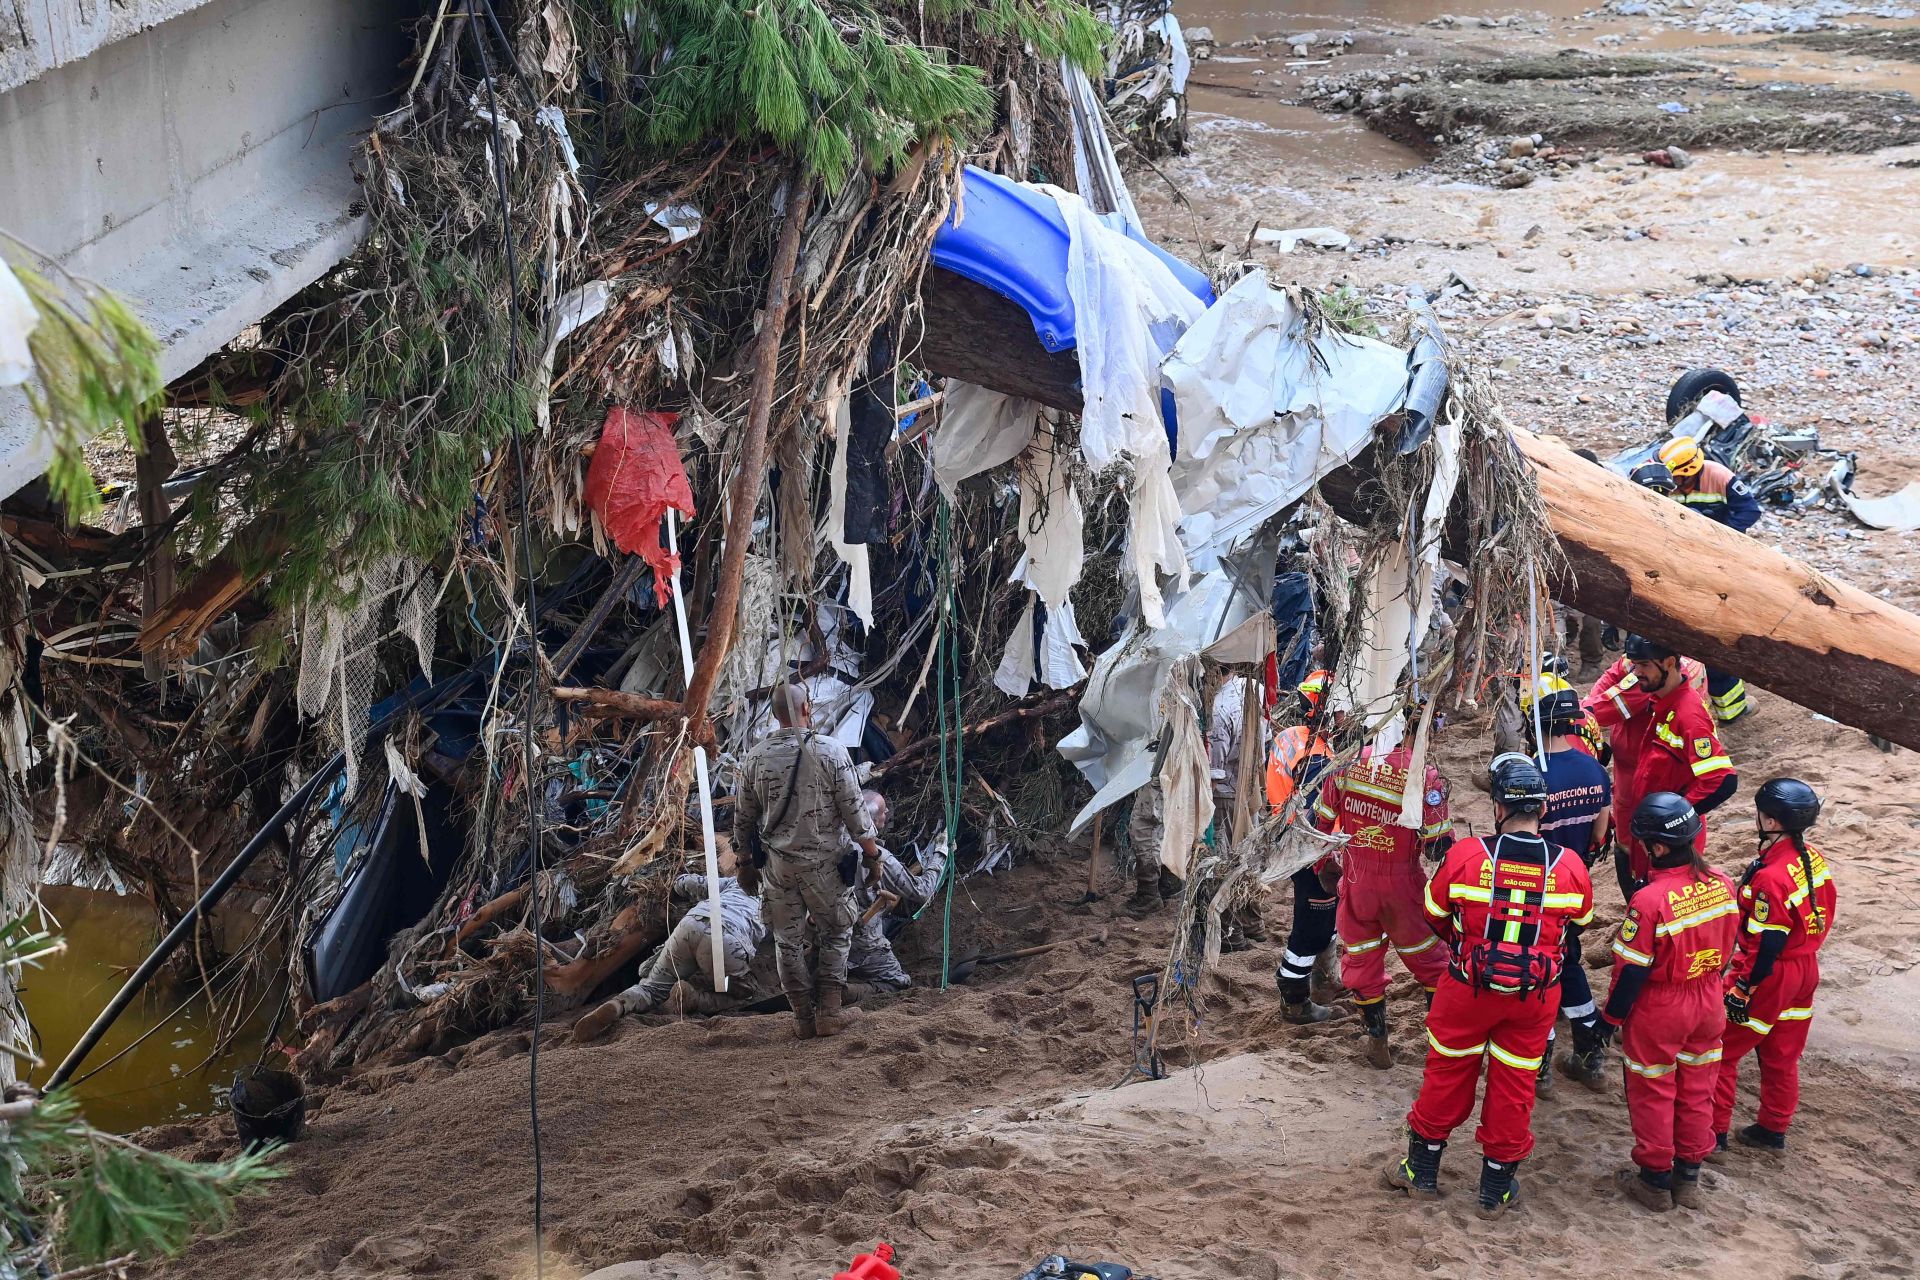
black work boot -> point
(1761, 1138)
(1720, 1149)
(1417, 1172)
(1543, 1078)
(1652, 1188)
(1146, 894)
(1499, 1189)
(1587, 1061)
(1686, 1185)
(1374, 1020)
(1296, 1002)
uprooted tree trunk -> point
(19, 851)
(1635, 559)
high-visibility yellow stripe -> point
(1435, 831)
(1563, 899)
(1631, 956)
(1706, 1059)
(1471, 1051)
(1758, 1027)
(1414, 951)
(1512, 1059)
(1469, 892)
(1713, 764)
(1322, 810)
(1795, 1015)
(1680, 924)
(1620, 704)
(1651, 1071)
(1511, 933)
(1368, 789)
(1755, 926)
(1359, 948)
(1799, 895)
(1434, 908)
(1585, 920)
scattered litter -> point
(1289, 239)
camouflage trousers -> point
(806, 903)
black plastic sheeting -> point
(868, 501)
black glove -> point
(1739, 1000)
(1604, 852)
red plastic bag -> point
(872, 1266)
(635, 476)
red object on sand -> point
(635, 476)
(872, 1266)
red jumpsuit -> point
(1664, 743)
(1681, 931)
(1515, 909)
(1774, 898)
(1380, 878)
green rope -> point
(948, 686)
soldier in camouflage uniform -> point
(872, 967)
(681, 976)
(797, 796)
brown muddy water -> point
(158, 1064)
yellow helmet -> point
(1683, 456)
(1548, 684)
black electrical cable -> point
(527, 761)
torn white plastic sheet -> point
(1182, 64)
(1265, 411)
(1369, 685)
(1433, 521)
(576, 307)
(979, 429)
(1052, 523)
(556, 122)
(1129, 310)
(18, 318)
(1058, 665)
(1897, 511)
(1185, 785)
(853, 555)
(1225, 615)
(680, 221)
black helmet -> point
(1517, 783)
(1560, 711)
(1653, 475)
(1641, 649)
(1667, 818)
(1790, 802)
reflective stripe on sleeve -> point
(1467, 1051)
(1433, 908)
(1468, 893)
(1552, 900)
(1757, 926)
(1631, 956)
(1712, 764)
(1585, 920)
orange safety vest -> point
(1291, 749)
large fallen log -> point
(1636, 560)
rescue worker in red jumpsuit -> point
(1787, 899)
(1298, 757)
(1381, 879)
(1663, 740)
(1674, 944)
(1506, 906)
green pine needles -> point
(833, 87)
(96, 368)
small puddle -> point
(171, 1072)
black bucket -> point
(268, 1106)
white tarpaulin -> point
(1265, 411)
(1225, 614)
(1052, 526)
(979, 429)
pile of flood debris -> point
(457, 588)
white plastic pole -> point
(718, 930)
(1533, 664)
